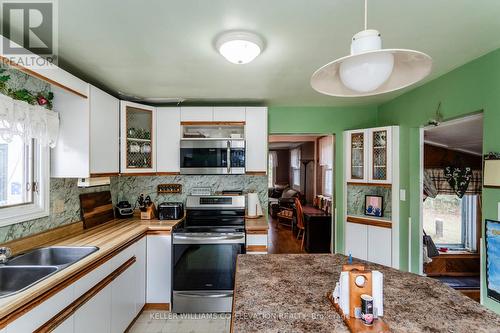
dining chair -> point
(300, 221)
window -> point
(451, 221)
(23, 180)
(295, 165)
(326, 163)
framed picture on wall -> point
(491, 170)
(492, 237)
(374, 205)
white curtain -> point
(273, 156)
(326, 152)
(295, 158)
(18, 118)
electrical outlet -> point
(402, 194)
(58, 206)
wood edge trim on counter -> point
(257, 231)
(213, 123)
(65, 313)
(168, 173)
(158, 232)
(256, 248)
(138, 174)
(43, 296)
(387, 185)
(40, 76)
(255, 173)
(368, 221)
(104, 174)
(157, 306)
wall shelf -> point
(370, 184)
(367, 220)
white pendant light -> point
(370, 69)
(239, 47)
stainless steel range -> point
(205, 248)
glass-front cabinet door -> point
(356, 156)
(138, 144)
(380, 155)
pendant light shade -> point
(370, 69)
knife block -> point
(355, 291)
(149, 213)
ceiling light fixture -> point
(239, 47)
(370, 69)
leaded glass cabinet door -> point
(356, 149)
(380, 155)
(138, 133)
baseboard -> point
(157, 306)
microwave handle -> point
(228, 157)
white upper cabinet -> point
(104, 132)
(380, 150)
(229, 114)
(88, 135)
(138, 133)
(205, 113)
(168, 136)
(256, 139)
(356, 156)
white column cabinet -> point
(256, 139)
(88, 134)
(168, 136)
(158, 284)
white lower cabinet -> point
(159, 249)
(94, 316)
(369, 243)
(66, 327)
(123, 300)
(140, 273)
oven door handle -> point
(193, 295)
(201, 238)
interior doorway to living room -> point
(301, 192)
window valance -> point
(436, 181)
(18, 118)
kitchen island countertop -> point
(286, 293)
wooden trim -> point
(138, 174)
(255, 173)
(134, 320)
(158, 232)
(43, 296)
(213, 123)
(256, 248)
(369, 221)
(168, 173)
(40, 76)
(157, 306)
(386, 185)
(257, 232)
(104, 174)
(64, 314)
(36, 240)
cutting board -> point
(96, 208)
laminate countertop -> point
(108, 237)
(287, 293)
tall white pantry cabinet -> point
(372, 163)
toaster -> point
(170, 210)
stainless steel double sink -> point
(27, 269)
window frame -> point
(40, 205)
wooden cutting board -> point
(96, 208)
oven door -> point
(203, 271)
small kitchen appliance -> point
(170, 210)
(124, 210)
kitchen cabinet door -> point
(67, 326)
(205, 113)
(104, 132)
(380, 155)
(229, 114)
(95, 315)
(356, 240)
(356, 148)
(123, 300)
(140, 275)
(256, 139)
(168, 136)
(159, 257)
(138, 133)
(379, 245)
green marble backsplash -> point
(356, 199)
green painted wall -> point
(467, 89)
(324, 120)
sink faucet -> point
(5, 254)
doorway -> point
(451, 211)
(301, 192)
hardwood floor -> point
(281, 239)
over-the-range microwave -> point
(212, 156)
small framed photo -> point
(374, 205)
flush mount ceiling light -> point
(370, 69)
(239, 47)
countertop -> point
(258, 224)
(107, 237)
(286, 293)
